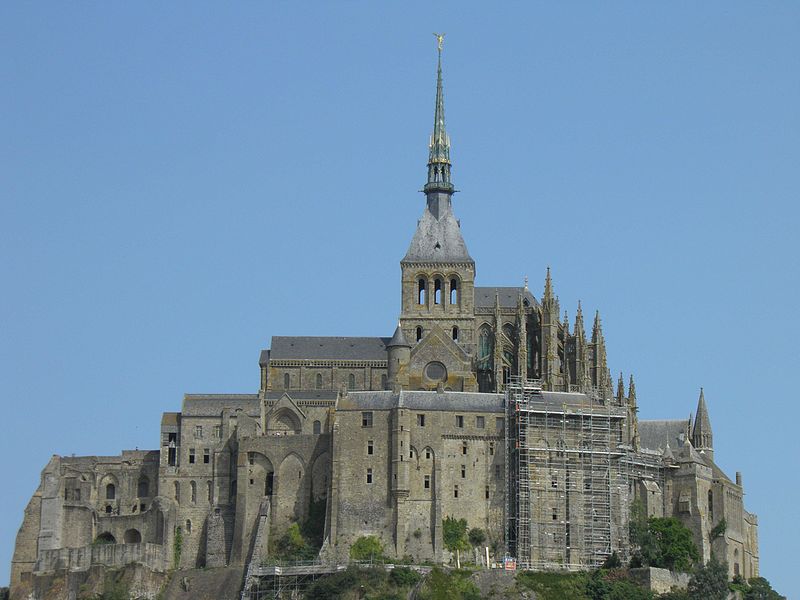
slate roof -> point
(437, 240)
(328, 348)
(423, 400)
(303, 395)
(484, 296)
(654, 435)
(211, 405)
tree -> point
(645, 551)
(454, 534)
(477, 536)
(709, 582)
(674, 544)
(759, 588)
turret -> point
(399, 353)
(702, 438)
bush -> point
(293, 546)
(333, 586)
(758, 588)
(554, 586)
(455, 585)
(660, 542)
(477, 536)
(404, 577)
(367, 547)
(454, 534)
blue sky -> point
(180, 182)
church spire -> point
(439, 147)
(701, 434)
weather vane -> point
(439, 40)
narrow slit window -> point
(453, 291)
(421, 292)
(437, 291)
(455, 333)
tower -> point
(438, 274)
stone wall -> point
(152, 556)
(659, 581)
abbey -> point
(485, 404)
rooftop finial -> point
(439, 41)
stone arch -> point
(132, 536)
(422, 289)
(292, 499)
(454, 289)
(262, 472)
(105, 538)
(320, 473)
(285, 421)
(104, 491)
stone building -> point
(485, 404)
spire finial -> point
(439, 42)
(526, 282)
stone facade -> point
(392, 435)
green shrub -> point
(710, 582)
(367, 547)
(454, 534)
(455, 585)
(554, 586)
(177, 547)
(477, 536)
(404, 577)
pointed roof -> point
(398, 339)
(548, 287)
(632, 391)
(620, 387)
(701, 434)
(438, 240)
(439, 151)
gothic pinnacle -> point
(620, 388)
(632, 391)
(548, 288)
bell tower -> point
(438, 274)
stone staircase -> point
(258, 547)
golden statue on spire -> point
(439, 40)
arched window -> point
(454, 291)
(419, 333)
(437, 291)
(177, 491)
(210, 492)
(111, 491)
(286, 381)
(421, 291)
(193, 487)
(317, 427)
(319, 381)
(455, 333)
(105, 538)
(108, 509)
(351, 381)
(143, 489)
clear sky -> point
(181, 181)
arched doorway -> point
(132, 536)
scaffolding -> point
(568, 491)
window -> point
(437, 291)
(419, 333)
(710, 505)
(191, 456)
(286, 381)
(454, 291)
(463, 471)
(188, 526)
(411, 453)
(193, 488)
(370, 447)
(369, 475)
(455, 334)
(480, 422)
(210, 492)
(177, 491)
(427, 482)
(428, 453)
(319, 381)
(421, 292)
(317, 427)
(421, 420)
(554, 483)
(109, 510)
(464, 448)
(198, 432)
(143, 488)
(111, 491)
(455, 491)
(459, 420)
(217, 432)
(206, 456)
(251, 458)
(491, 448)
(172, 456)
(366, 419)
(498, 423)
(555, 514)
(351, 382)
